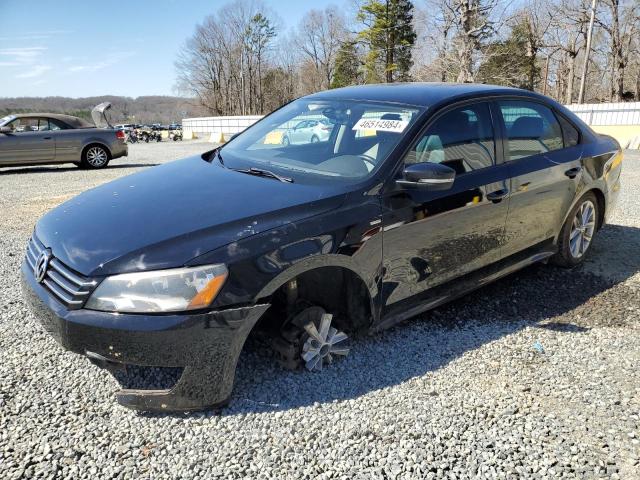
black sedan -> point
(418, 194)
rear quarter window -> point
(570, 133)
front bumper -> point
(205, 345)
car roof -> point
(424, 94)
(68, 119)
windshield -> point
(7, 119)
(340, 139)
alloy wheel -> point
(584, 224)
(323, 343)
(96, 157)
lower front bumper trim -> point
(199, 388)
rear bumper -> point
(206, 345)
(119, 150)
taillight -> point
(120, 134)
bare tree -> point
(620, 21)
(222, 63)
(567, 36)
(320, 34)
(474, 26)
(434, 53)
(533, 16)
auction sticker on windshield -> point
(381, 125)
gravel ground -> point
(535, 376)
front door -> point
(431, 237)
(29, 142)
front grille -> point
(67, 286)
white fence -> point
(608, 113)
(621, 120)
(205, 126)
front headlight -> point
(174, 290)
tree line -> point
(145, 109)
(241, 61)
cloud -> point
(39, 35)
(35, 71)
(108, 61)
(22, 53)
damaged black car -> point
(413, 195)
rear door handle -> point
(498, 195)
(46, 138)
(573, 172)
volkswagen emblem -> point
(42, 264)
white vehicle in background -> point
(308, 131)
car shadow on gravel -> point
(53, 169)
(541, 296)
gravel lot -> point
(535, 376)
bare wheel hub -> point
(323, 343)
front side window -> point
(324, 140)
(461, 139)
(532, 129)
(20, 125)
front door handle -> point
(46, 138)
(573, 172)
(498, 195)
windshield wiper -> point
(261, 172)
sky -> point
(81, 48)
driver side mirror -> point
(6, 130)
(428, 175)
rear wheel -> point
(578, 231)
(95, 156)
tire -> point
(95, 157)
(285, 141)
(314, 139)
(145, 138)
(577, 233)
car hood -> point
(167, 215)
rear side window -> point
(532, 129)
(461, 139)
(570, 133)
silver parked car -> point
(42, 138)
(308, 131)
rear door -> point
(431, 237)
(544, 168)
